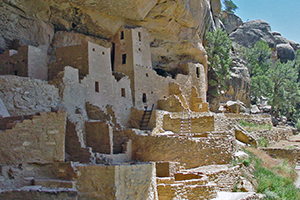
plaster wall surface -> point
(37, 62)
(40, 140)
(136, 181)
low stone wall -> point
(189, 152)
(223, 176)
(40, 140)
(37, 192)
(199, 123)
(260, 119)
(136, 181)
(16, 176)
(274, 135)
(290, 155)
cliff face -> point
(176, 28)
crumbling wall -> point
(75, 56)
(40, 140)
(25, 96)
(188, 152)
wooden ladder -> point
(146, 118)
(185, 127)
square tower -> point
(131, 56)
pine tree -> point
(218, 50)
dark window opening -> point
(16, 72)
(123, 94)
(97, 86)
(144, 98)
(122, 35)
(123, 58)
(93, 49)
(112, 57)
(147, 75)
(103, 53)
(140, 36)
(197, 72)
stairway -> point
(146, 118)
(185, 128)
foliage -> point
(250, 127)
(298, 124)
(276, 81)
(263, 142)
(271, 183)
(229, 6)
(218, 50)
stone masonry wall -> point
(188, 152)
(117, 182)
(40, 140)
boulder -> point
(285, 52)
(255, 109)
(235, 107)
(251, 32)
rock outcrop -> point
(251, 32)
(176, 29)
(231, 21)
(20, 28)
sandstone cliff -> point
(176, 28)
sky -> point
(282, 15)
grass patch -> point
(274, 177)
(263, 142)
(250, 127)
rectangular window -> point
(144, 98)
(123, 58)
(16, 72)
(122, 35)
(97, 86)
(140, 36)
(123, 94)
(197, 72)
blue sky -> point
(283, 16)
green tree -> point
(278, 82)
(285, 93)
(259, 58)
(218, 48)
(229, 6)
